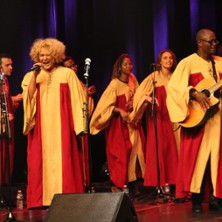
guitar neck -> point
(215, 87)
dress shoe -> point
(196, 203)
(214, 204)
(197, 208)
(179, 200)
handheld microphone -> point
(87, 67)
(35, 68)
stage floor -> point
(147, 207)
(147, 211)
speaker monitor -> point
(91, 207)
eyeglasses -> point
(215, 41)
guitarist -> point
(200, 146)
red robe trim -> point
(7, 144)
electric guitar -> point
(197, 116)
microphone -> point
(2, 74)
(35, 68)
(156, 65)
(87, 67)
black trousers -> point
(197, 198)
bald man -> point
(200, 160)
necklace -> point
(126, 82)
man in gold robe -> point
(200, 147)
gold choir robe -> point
(124, 142)
(199, 144)
(52, 119)
(167, 149)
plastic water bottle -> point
(126, 190)
(93, 189)
(167, 188)
(19, 200)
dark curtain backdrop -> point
(100, 30)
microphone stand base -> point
(10, 217)
(163, 197)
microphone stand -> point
(153, 113)
(86, 103)
(5, 134)
(160, 193)
(86, 131)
